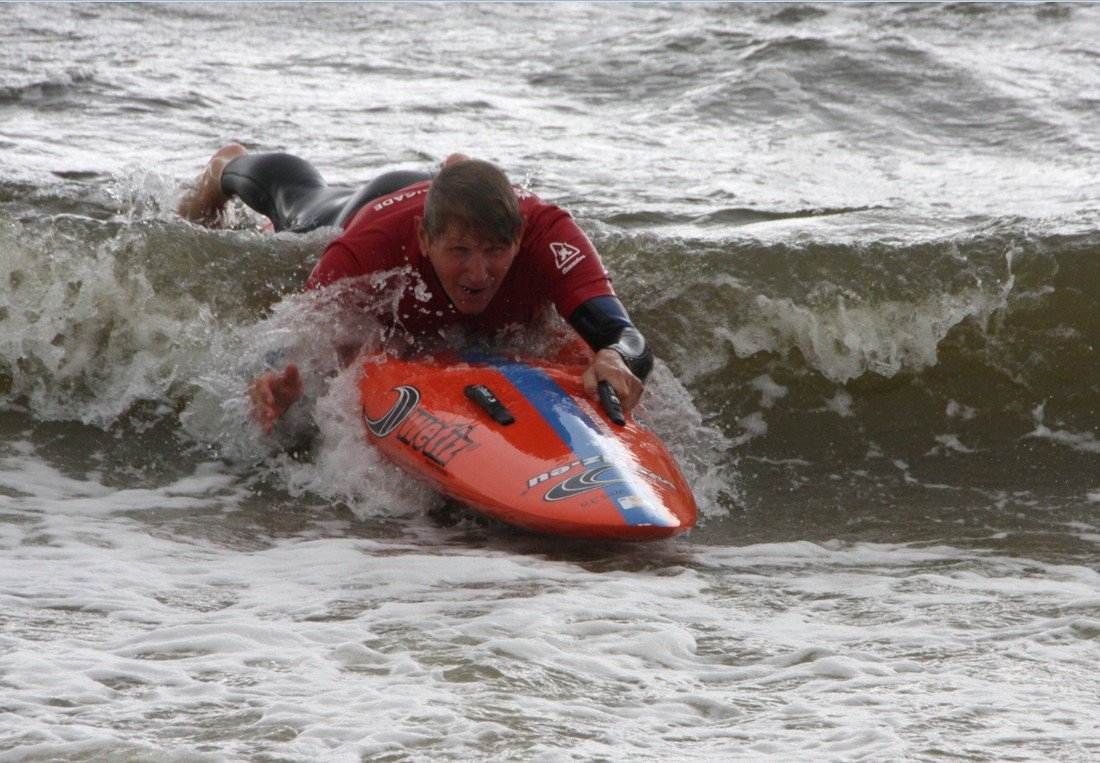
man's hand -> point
(272, 393)
(609, 366)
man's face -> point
(471, 268)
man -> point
(483, 255)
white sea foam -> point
(339, 647)
(769, 390)
(78, 326)
(1086, 442)
(950, 443)
(346, 467)
(848, 341)
(957, 410)
(840, 404)
(697, 446)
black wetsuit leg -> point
(293, 195)
(284, 188)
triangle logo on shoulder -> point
(566, 256)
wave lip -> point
(53, 85)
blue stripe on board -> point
(576, 429)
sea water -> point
(863, 240)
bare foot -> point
(455, 159)
(205, 203)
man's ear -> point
(422, 236)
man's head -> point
(471, 231)
(475, 197)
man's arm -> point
(581, 290)
(604, 324)
(274, 391)
(623, 357)
(337, 262)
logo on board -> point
(592, 479)
(438, 440)
(566, 256)
(407, 398)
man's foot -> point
(205, 203)
(455, 159)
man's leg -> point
(286, 189)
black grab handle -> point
(489, 403)
(611, 403)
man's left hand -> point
(610, 367)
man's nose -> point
(477, 269)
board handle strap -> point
(611, 404)
(489, 403)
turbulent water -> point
(863, 240)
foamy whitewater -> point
(863, 240)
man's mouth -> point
(468, 299)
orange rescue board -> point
(560, 467)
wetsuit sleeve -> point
(604, 324)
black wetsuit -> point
(292, 194)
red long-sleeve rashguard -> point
(556, 265)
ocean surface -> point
(864, 241)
